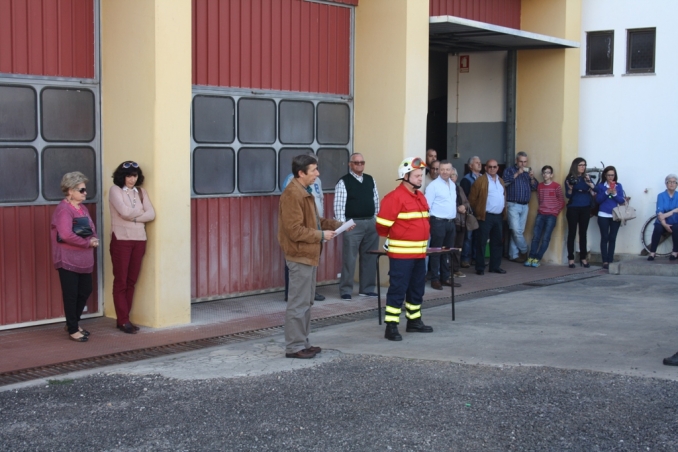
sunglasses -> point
(127, 165)
(82, 190)
(492, 167)
(358, 162)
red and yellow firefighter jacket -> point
(403, 219)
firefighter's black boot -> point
(417, 326)
(392, 333)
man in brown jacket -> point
(488, 201)
(301, 232)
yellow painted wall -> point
(547, 123)
(146, 95)
(390, 86)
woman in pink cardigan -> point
(72, 251)
(131, 209)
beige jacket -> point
(298, 232)
(128, 214)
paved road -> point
(575, 366)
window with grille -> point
(640, 56)
(599, 52)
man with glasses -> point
(488, 201)
(520, 183)
(356, 198)
(432, 174)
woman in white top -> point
(131, 209)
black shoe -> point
(500, 270)
(346, 297)
(585, 265)
(368, 294)
(392, 333)
(650, 258)
(672, 257)
(318, 297)
(127, 328)
(417, 326)
(571, 265)
(672, 361)
(480, 272)
(83, 338)
(83, 332)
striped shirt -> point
(551, 199)
(518, 189)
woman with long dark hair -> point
(609, 194)
(578, 189)
(131, 209)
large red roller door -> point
(252, 61)
(49, 97)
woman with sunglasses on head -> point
(73, 238)
(666, 222)
(131, 209)
(578, 189)
(609, 194)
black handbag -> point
(80, 227)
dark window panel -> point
(213, 119)
(599, 52)
(57, 161)
(333, 123)
(18, 174)
(18, 113)
(256, 170)
(213, 171)
(333, 164)
(285, 157)
(296, 122)
(256, 121)
(67, 114)
(641, 51)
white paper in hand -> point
(350, 223)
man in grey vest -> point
(356, 198)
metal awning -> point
(454, 34)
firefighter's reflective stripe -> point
(384, 222)
(411, 215)
(412, 311)
(409, 250)
(407, 243)
(392, 315)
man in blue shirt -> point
(520, 183)
(441, 195)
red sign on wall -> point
(464, 63)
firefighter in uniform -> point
(404, 220)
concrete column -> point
(547, 121)
(146, 96)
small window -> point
(67, 114)
(599, 52)
(256, 121)
(256, 170)
(641, 44)
(333, 164)
(18, 174)
(296, 122)
(333, 123)
(285, 162)
(213, 119)
(18, 113)
(213, 171)
(57, 161)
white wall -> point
(482, 90)
(631, 121)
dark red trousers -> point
(126, 256)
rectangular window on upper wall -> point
(18, 113)
(213, 171)
(599, 52)
(256, 170)
(213, 119)
(640, 51)
(57, 161)
(18, 174)
(67, 114)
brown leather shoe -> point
(315, 350)
(449, 283)
(436, 285)
(301, 354)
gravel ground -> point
(354, 403)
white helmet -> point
(410, 164)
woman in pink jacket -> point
(73, 238)
(131, 209)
